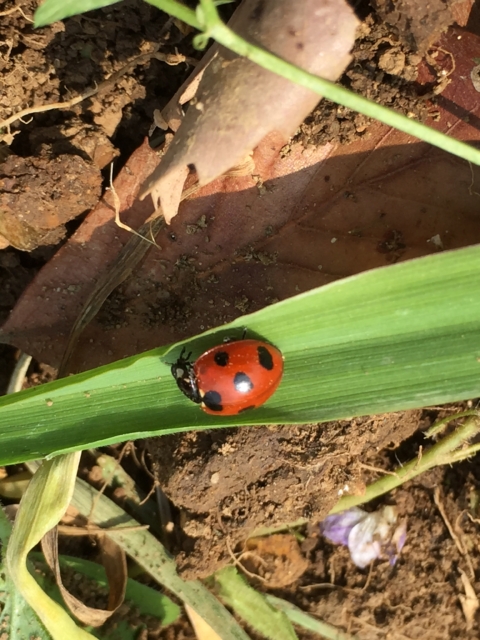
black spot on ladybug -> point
(265, 358)
(242, 382)
(252, 406)
(213, 400)
(221, 358)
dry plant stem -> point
(118, 222)
(8, 12)
(122, 267)
(125, 262)
(94, 530)
(451, 530)
(446, 451)
(469, 601)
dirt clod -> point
(38, 196)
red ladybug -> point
(230, 378)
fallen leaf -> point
(238, 103)
(469, 601)
(301, 220)
(115, 564)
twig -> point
(451, 531)
(451, 449)
(119, 271)
(106, 482)
(118, 222)
(9, 12)
(94, 529)
(377, 469)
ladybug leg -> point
(182, 358)
(228, 339)
(193, 391)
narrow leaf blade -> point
(54, 10)
(400, 337)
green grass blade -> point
(43, 504)
(17, 619)
(53, 10)
(252, 606)
(152, 556)
(147, 601)
(302, 619)
(399, 337)
(213, 27)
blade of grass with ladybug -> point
(400, 337)
(230, 378)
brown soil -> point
(383, 69)
(228, 484)
(225, 484)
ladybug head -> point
(182, 371)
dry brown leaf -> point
(239, 103)
(469, 601)
(303, 220)
(115, 564)
(461, 11)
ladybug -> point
(230, 378)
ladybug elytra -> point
(230, 378)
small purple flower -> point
(368, 535)
(337, 527)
